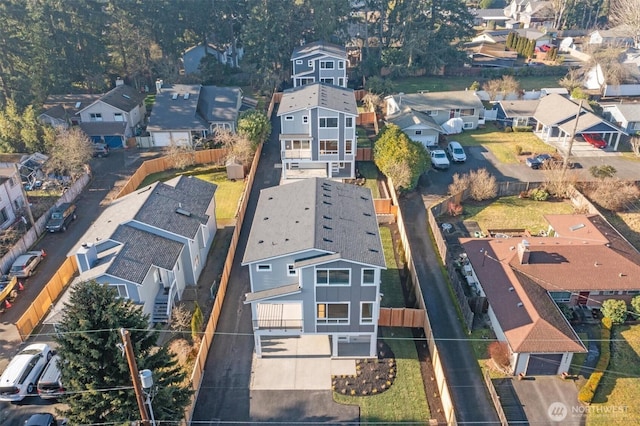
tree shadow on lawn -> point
(623, 365)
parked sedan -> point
(25, 264)
(595, 140)
(21, 375)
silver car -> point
(25, 264)
(456, 152)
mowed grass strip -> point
(615, 402)
(227, 194)
(369, 171)
(405, 401)
(503, 144)
(514, 213)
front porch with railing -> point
(278, 317)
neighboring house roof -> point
(219, 103)
(316, 214)
(587, 121)
(192, 192)
(439, 100)
(519, 108)
(122, 97)
(630, 111)
(179, 113)
(408, 118)
(555, 108)
(140, 250)
(500, 36)
(621, 33)
(104, 128)
(186, 194)
(490, 14)
(62, 107)
(319, 47)
(315, 95)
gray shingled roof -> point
(179, 113)
(440, 100)
(104, 128)
(316, 214)
(630, 111)
(140, 250)
(408, 117)
(318, 95)
(319, 47)
(123, 97)
(520, 108)
(219, 103)
(64, 106)
(554, 109)
(189, 194)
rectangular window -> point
(418, 132)
(608, 293)
(298, 61)
(467, 125)
(328, 147)
(561, 296)
(332, 313)
(295, 144)
(432, 113)
(327, 80)
(466, 112)
(263, 267)
(118, 116)
(288, 118)
(348, 122)
(3, 215)
(633, 291)
(122, 290)
(291, 271)
(327, 65)
(348, 146)
(341, 82)
(340, 65)
(305, 119)
(329, 122)
(95, 117)
(366, 312)
(368, 277)
(310, 63)
(338, 277)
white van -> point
(21, 375)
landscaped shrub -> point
(522, 129)
(613, 194)
(588, 391)
(635, 305)
(508, 129)
(482, 185)
(539, 194)
(499, 353)
(519, 149)
(614, 310)
(460, 183)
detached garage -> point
(543, 364)
(418, 126)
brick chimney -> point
(524, 252)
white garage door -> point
(165, 138)
(426, 140)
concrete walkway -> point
(470, 397)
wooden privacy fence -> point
(401, 317)
(366, 118)
(48, 295)
(364, 154)
(207, 337)
(385, 206)
(148, 167)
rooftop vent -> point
(510, 288)
(520, 305)
(78, 104)
(325, 239)
(124, 95)
(186, 96)
(576, 227)
(183, 212)
(174, 96)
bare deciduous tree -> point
(180, 156)
(180, 319)
(614, 194)
(635, 144)
(400, 174)
(69, 152)
(573, 79)
(460, 183)
(482, 185)
(558, 181)
(627, 13)
(239, 146)
(371, 101)
(504, 86)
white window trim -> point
(288, 118)
(340, 65)
(328, 321)
(341, 82)
(327, 62)
(298, 61)
(372, 320)
(418, 132)
(291, 271)
(362, 283)
(327, 80)
(328, 284)
(467, 125)
(432, 113)
(305, 119)
(325, 123)
(263, 267)
(310, 63)
(126, 290)
(346, 122)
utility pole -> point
(135, 377)
(565, 165)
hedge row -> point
(588, 391)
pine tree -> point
(94, 370)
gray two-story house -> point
(315, 257)
(151, 244)
(319, 62)
(318, 132)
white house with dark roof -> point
(624, 115)
(152, 243)
(318, 132)
(319, 62)
(315, 257)
(62, 110)
(184, 113)
(419, 126)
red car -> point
(595, 140)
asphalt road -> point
(108, 173)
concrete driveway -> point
(550, 400)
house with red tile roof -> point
(584, 262)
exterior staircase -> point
(160, 309)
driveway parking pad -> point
(545, 397)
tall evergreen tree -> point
(94, 370)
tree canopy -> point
(400, 158)
(94, 370)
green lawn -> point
(443, 84)
(578, 359)
(480, 340)
(514, 213)
(369, 170)
(227, 195)
(405, 401)
(363, 139)
(503, 144)
(620, 385)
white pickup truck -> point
(439, 159)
